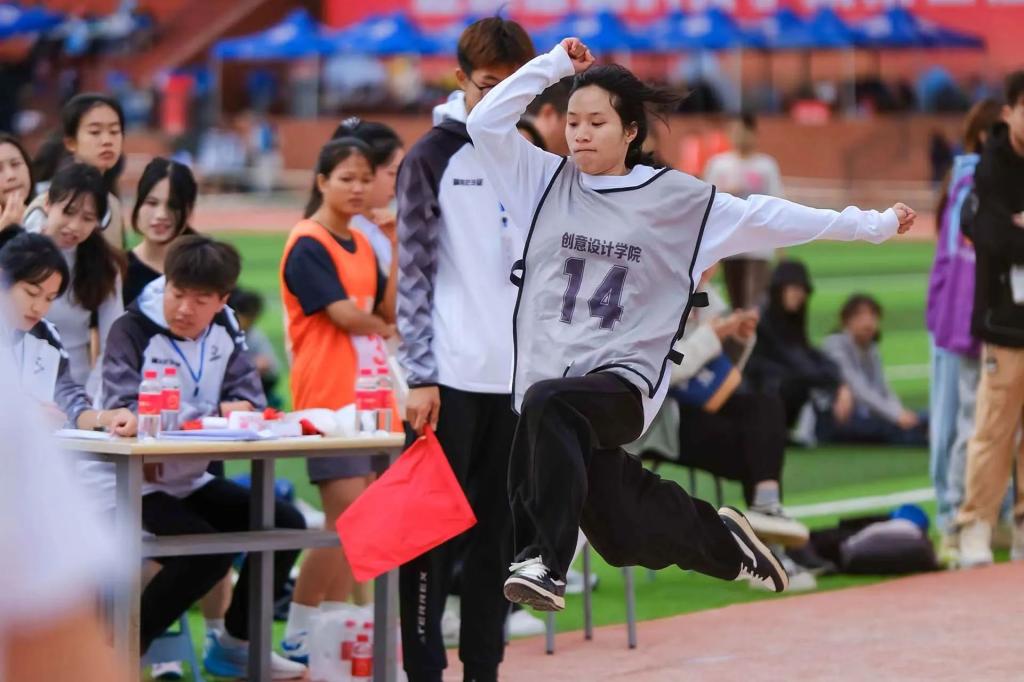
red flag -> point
(416, 505)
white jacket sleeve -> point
(761, 222)
(518, 170)
(698, 348)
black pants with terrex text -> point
(568, 471)
(475, 431)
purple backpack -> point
(951, 287)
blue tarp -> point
(601, 32)
(15, 20)
(712, 29)
(899, 28)
(296, 37)
(382, 36)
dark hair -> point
(181, 194)
(382, 140)
(493, 42)
(1014, 87)
(198, 262)
(524, 126)
(979, 120)
(7, 138)
(632, 100)
(556, 95)
(857, 301)
(246, 302)
(97, 264)
(331, 154)
(71, 115)
(48, 157)
(32, 258)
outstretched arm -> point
(518, 170)
(761, 222)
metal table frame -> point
(128, 456)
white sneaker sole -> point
(520, 591)
(771, 529)
(744, 525)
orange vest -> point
(324, 361)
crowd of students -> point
(535, 412)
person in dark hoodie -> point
(181, 320)
(996, 226)
(784, 362)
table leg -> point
(128, 526)
(261, 573)
(385, 612)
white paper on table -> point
(82, 433)
(213, 434)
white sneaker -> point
(451, 623)
(522, 623)
(975, 544)
(172, 670)
(574, 581)
(771, 524)
(1017, 549)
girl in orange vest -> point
(333, 289)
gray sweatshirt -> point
(862, 372)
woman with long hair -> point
(955, 351)
(92, 132)
(164, 203)
(335, 295)
(70, 214)
(607, 277)
(17, 189)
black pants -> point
(219, 506)
(746, 281)
(569, 471)
(744, 441)
(475, 430)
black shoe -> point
(758, 565)
(531, 584)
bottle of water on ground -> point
(385, 398)
(366, 401)
(150, 405)
(171, 388)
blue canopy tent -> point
(711, 30)
(16, 20)
(297, 36)
(384, 35)
(899, 28)
(602, 32)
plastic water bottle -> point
(150, 404)
(362, 660)
(348, 640)
(171, 388)
(385, 398)
(366, 401)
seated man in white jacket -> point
(715, 426)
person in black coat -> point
(784, 362)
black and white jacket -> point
(45, 371)
(212, 369)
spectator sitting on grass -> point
(878, 415)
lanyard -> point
(196, 377)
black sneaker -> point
(758, 565)
(531, 584)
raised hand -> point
(906, 216)
(580, 54)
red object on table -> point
(416, 505)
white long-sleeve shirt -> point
(520, 172)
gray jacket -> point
(862, 372)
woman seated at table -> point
(181, 320)
(33, 274)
